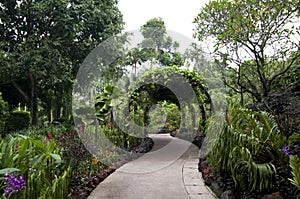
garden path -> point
(168, 171)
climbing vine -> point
(152, 87)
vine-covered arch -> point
(152, 87)
(125, 107)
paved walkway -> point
(169, 171)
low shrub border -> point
(83, 190)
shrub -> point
(18, 120)
(3, 113)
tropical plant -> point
(39, 162)
(156, 92)
(105, 101)
(295, 165)
(246, 145)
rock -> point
(216, 187)
(91, 186)
(203, 165)
(227, 195)
(207, 181)
(276, 195)
(83, 195)
(102, 176)
(96, 180)
(200, 162)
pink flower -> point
(81, 128)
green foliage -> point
(59, 187)
(54, 38)
(105, 101)
(118, 138)
(141, 101)
(166, 116)
(293, 138)
(157, 45)
(146, 96)
(167, 73)
(295, 165)
(3, 113)
(253, 41)
(40, 163)
(18, 120)
(154, 30)
(247, 147)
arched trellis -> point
(121, 103)
(146, 91)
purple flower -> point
(14, 184)
(285, 149)
(7, 190)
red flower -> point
(49, 137)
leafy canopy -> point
(43, 43)
(157, 46)
(257, 41)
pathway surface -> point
(168, 171)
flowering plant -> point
(285, 150)
(15, 184)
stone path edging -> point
(192, 179)
(163, 179)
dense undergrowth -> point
(54, 163)
(250, 156)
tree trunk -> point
(51, 115)
(31, 99)
(56, 106)
(34, 100)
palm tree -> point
(133, 58)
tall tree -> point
(256, 40)
(157, 45)
(44, 42)
(154, 32)
(196, 58)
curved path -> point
(168, 171)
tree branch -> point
(286, 69)
(25, 96)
